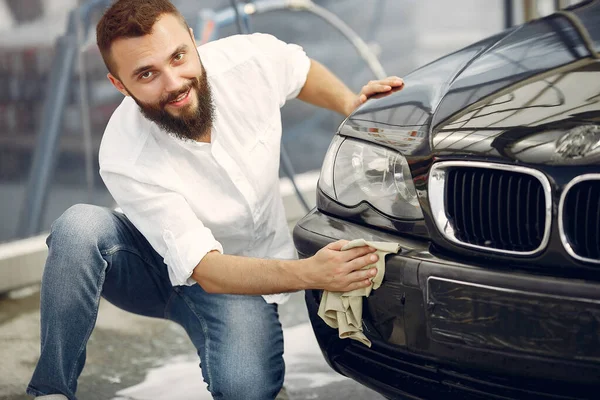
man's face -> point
(162, 72)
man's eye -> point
(146, 75)
(179, 57)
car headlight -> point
(355, 171)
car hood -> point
(401, 119)
(527, 95)
(549, 119)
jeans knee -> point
(74, 267)
(80, 225)
(75, 243)
(253, 383)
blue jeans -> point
(95, 252)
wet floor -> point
(137, 358)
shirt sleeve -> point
(289, 62)
(166, 220)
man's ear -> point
(193, 38)
(117, 83)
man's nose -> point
(173, 81)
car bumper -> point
(445, 328)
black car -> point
(485, 169)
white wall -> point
(6, 19)
(52, 7)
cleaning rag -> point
(343, 310)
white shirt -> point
(189, 198)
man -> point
(191, 156)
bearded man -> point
(191, 157)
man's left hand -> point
(383, 86)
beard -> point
(192, 123)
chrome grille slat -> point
(508, 224)
(472, 209)
(589, 241)
(481, 205)
(528, 215)
(498, 213)
(490, 205)
(519, 209)
(598, 223)
(481, 219)
(538, 216)
(463, 202)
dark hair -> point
(127, 19)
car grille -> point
(580, 214)
(491, 206)
(499, 209)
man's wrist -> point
(299, 270)
(350, 104)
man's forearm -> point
(324, 89)
(219, 273)
(329, 269)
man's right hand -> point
(340, 271)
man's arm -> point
(192, 253)
(324, 89)
(329, 269)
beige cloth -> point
(344, 310)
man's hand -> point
(340, 271)
(383, 86)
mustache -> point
(175, 94)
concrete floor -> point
(137, 358)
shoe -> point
(52, 397)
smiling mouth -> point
(181, 97)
